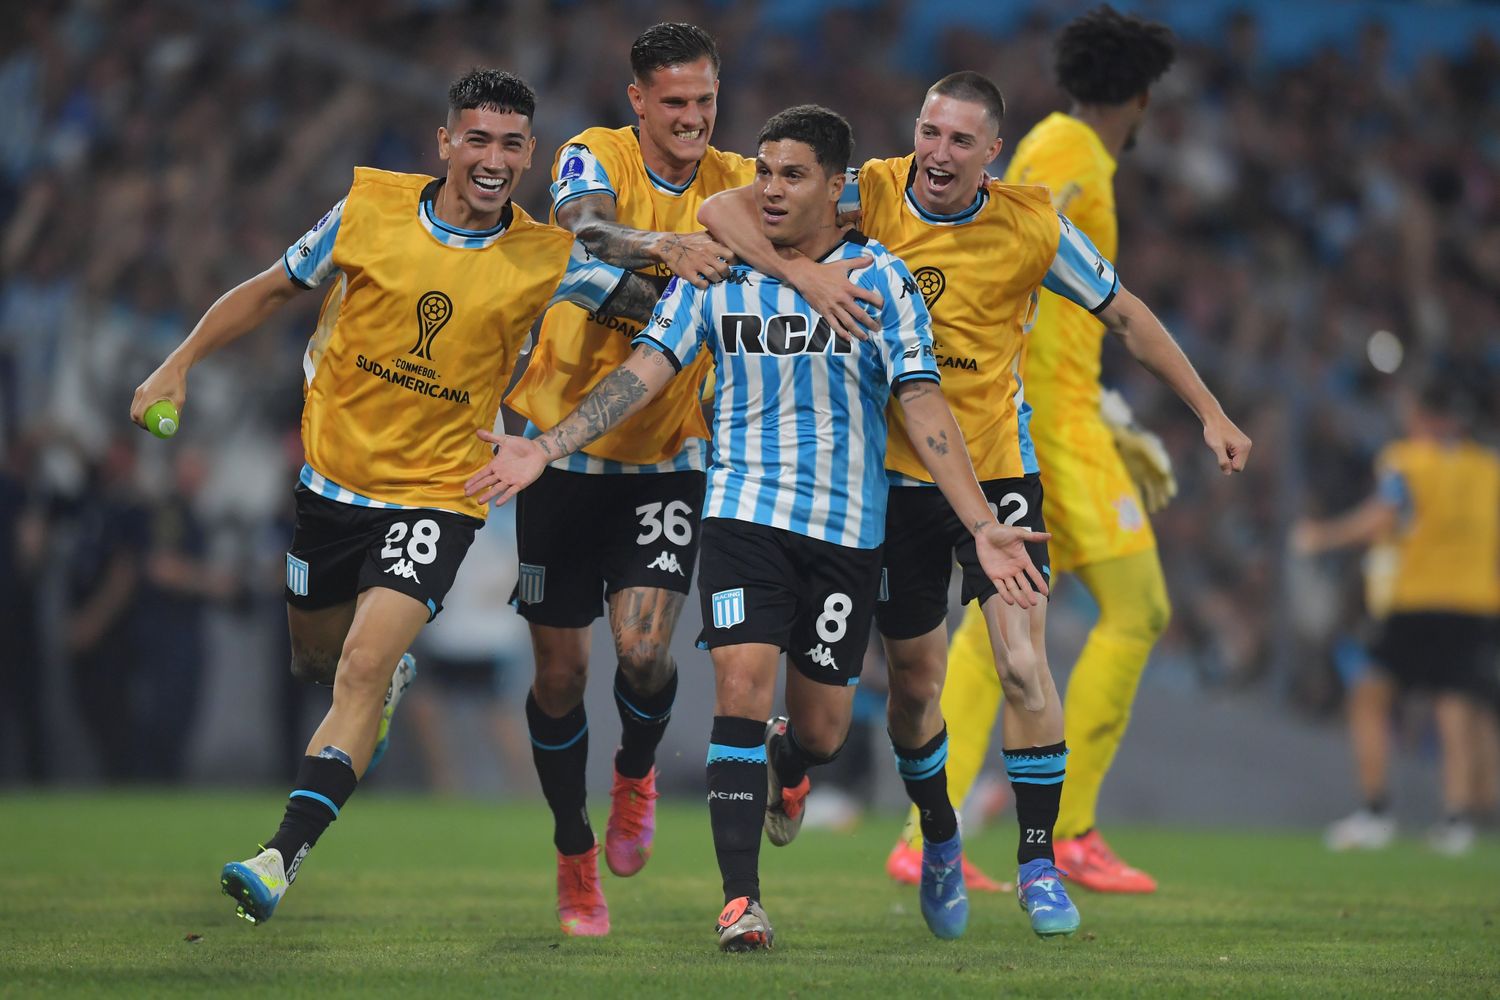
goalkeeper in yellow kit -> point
(1102, 474)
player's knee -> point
(823, 741)
(647, 665)
(742, 693)
(364, 672)
(311, 667)
(1020, 669)
(560, 683)
(913, 691)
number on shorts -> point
(834, 621)
(423, 545)
(1014, 516)
(674, 521)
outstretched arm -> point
(693, 257)
(238, 311)
(1366, 524)
(1150, 343)
(519, 461)
(940, 445)
(731, 216)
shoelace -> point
(632, 818)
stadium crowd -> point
(1277, 215)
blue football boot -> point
(406, 672)
(256, 884)
(945, 904)
(1039, 889)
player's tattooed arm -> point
(619, 395)
(634, 299)
(519, 461)
(694, 257)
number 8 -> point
(834, 621)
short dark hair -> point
(491, 90)
(976, 88)
(827, 132)
(1105, 57)
(671, 43)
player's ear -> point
(442, 138)
(993, 150)
(836, 183)
(530, 151)
(637, 98)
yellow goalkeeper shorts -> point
(1090, 503)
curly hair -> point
(1105, 57)
(491, 90)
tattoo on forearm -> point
(617, 244)
(978, 524)
(634, 299)
(601, 409)
(938, 444)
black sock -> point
(792, 760)
(1036, 777)
(560, 749)
(924, 772)
(643, 720)
(324, 784)
(737, 801)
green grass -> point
(407, 896)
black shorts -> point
(340, 550)
(1437, 651)
(811, 598)
(584, 537)
(922, 536)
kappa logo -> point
(403, 568)
(728, 607)
(822, 656)
(434, 309)
(932, 282)
(737, 277)
(667, 563)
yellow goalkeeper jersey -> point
(577, 348)
(1063, 353)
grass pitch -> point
(99, 894)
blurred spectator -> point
(23, 543)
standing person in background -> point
(1437, 502)
(1102, 473)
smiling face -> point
(954, 141)
(676, 106)
(796, 197)
(486, 152)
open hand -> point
(834, 296)
(517, 463)
(1002, 553)
(696, 257)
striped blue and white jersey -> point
(799, 422)
(588, 281)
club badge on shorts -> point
(296, 575)
(729, 607)
(532, 583)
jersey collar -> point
(452, 236)
(981, 198)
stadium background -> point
(1310, 175)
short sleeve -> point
(1079, 271)
(676, 327)
(579, 172)
(309, 261)
(905, 325)
(587, 281)
(849, 199)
